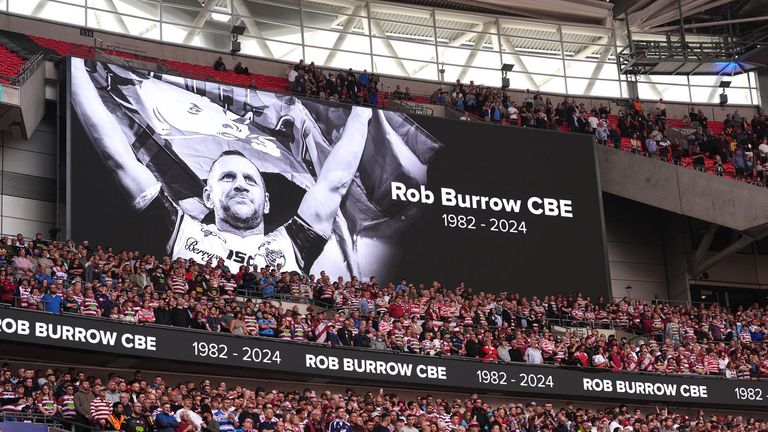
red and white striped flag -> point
(320, 329)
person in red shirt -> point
(581, 357)
(488, 350)
(7, 288)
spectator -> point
(240, 69)
(165, 421)
(291, 75)
(52, 301)
(100, 409)
(397, 94)
(601, 134)
(533, 353)
(219, 65)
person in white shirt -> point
(533, 353)
(593, 121)
(763, 147)
(513, 113)
(291, 75)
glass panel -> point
(530, 46)
(624, 89)
(74, 2)
(403, 15)
(666, 79)
(546, 83)
(270, 49)
(123, 24)
(3, 5)
(528, 29)
(586, 35)
(588, 69)
(740, 80)
(344, 23)
(538, 64)
(467, 39)
(480, 76)
(341, 60)
(403, 31)
(462, 57)
(598, 87)
(348, 42)
(179, 15)
(139, 8)
(712, 95)
(50, 10)
(281, 32)
(676, 93)
(755, 97)
(585, 52)
(348, 7)
(415, 69)
(404, 49)
(464, 21)
(271, 12)
(201, 38)
(707, 80)
(194, 4)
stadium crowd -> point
(137, 404)
(742, 141)
(65, 277)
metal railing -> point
(26, 71)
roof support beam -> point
(252, 27)
(519, 63)
(479, 42)
(39, 7)
(598, 68)
(115, 20)
(199, 21)
(637, 19)
(581, 55)
(376, 30)
(460, 40)
(689, 9)
(349, 24)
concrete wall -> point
(28, 170)
(680, 190)
(635, 248)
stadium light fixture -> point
(505, 68)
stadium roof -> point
(594, 12)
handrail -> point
(26, 71)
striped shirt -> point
(338, 426)
(67, 404)
(225, 424)
(100, 409)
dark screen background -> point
(556, 255)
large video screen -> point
(236, 176)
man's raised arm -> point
(107, 136)
(322, 201)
